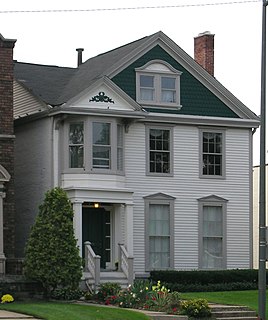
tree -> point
(52, 256)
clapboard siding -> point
(187, 188)
(24, 102)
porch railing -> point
(92, 264)
(125, 263)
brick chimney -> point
(7, 142)
(204, 51)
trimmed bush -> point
(52, 256)
(214, 280)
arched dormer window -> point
(158, 85)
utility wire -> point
(129, 8)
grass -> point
(247, 298)
(68, 311)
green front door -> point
(96, 229)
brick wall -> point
(7, 140)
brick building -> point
(7, 207)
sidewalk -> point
(9, 315)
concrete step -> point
(226, 312)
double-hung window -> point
(158, 85)
(212, 253)
(96, 145)
(101, 145)
(159, 146)
(76, 145)
(159, 231)
(212, 153)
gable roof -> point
(57, 85)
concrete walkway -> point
(9, 315)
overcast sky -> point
(52, 37)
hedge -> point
(213, 280)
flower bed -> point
(144, 295)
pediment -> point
(212, 198)
(105, 95)
(159, 196)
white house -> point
(154, 153)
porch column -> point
(77, 221)
(2, 255)
(129, 228)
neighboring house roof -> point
(57, 85)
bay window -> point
(95, 145)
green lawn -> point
(67, 311)
(247, 298)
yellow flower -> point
(6, 298)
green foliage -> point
(213, 280)
(135, 295)
(66, 294)
(197, 308)
(107, 290)
(52, 256)
(210, 287)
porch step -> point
(108, 276)
(226, 312)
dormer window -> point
(158, 84)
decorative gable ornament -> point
(101, 97)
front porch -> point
(103, 227)
(95, 276)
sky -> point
(52, 36)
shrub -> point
(197, 308)
(52, 256)
(66, 294)
(107, 290)
(7, 298)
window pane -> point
(76, 156)
(76, 133)
(147, 81)
(159, 255)
(101, 157)
(147, 94)
(212, 221)
(101, 133)
(168, 83)
(212, 253)
(168, 96)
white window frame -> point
(88, 146)
(223, 153)
(159, 199)
(213, 201)
(147, 144)
(158, 69)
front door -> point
(97, 230)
